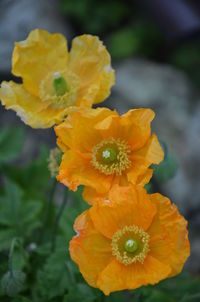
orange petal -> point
(90, 195)
(117, 276)
(169, 235)
(89, 249)
(124, 206)
(76, 170)
(78, 130)
(152, 151)
(136, 125)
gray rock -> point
(18, 17)
(168, 91)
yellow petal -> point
(29, 108)
(90, 60)
(36, 56)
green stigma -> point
(59, 84)
(131, 246)
(109, 155)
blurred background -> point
(155, 50)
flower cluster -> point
(127, 238)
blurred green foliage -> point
(96, 17)
(126, 32)
(40, 273)
(186, 57)
(167, 169)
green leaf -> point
(13, 283)
(11, 143)
(80, 292)
(6, 236)
(21, 299)
(19, 258)
(70, 213)
(53, 280)
(33, 178)
(18, 217)
(192, 298)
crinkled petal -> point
(110, 215)
(152, 152)
(78, 130)
(36, 56)
(75, 170)
(29, 108)
(90, 60)
(169, 235)
(117, 276)
(89, 249)
(136, 124)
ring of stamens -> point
(111, 156)
(123, 242)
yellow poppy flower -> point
(129, 240)
(55, 80)
(102, 148)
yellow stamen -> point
(111, 156)
(130, 245)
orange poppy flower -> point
(129, 240)
(102, 148)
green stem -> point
(48, 209)
(12, 247)
(50, 201)
(57, 219)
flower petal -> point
(108, 217)
(152, 152)
(29, 108)
(137, 126)
(78, 130)
(36, 56)
(76, 170)
(89, 249)
(117, 276)
(169, 235)
(90, 60)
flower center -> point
(130, 245)
(111, 156)
(60, 88)
(59, 84)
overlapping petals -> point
(129, 207)
(87, 134)
(84, 73)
